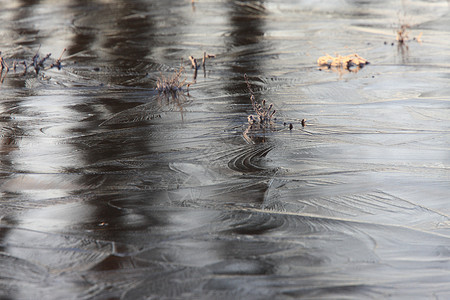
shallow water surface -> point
(111, 190)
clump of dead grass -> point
(403, 33)
(37, 63)
(346, 62)
(264, 113)
(172, 83)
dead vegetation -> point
(351, 62)
(403, 33)
(403, 30)
(37, 63)
(172, 83)
(194, 63)
(3, 66)
(57, 63)
(196, 66)
(264, 113)
(402, 37)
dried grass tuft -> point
(264, 113)
(171, 83)
(345, 62)
(403, 34)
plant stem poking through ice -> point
(193, 62)
(3, 65)
(57, 63)
(171, 83)
(402, 33)
(195, 65)
(36, 62)
(264, 113)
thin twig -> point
(58, 61)
(204, 59)
(193, 62)
(41, 62)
